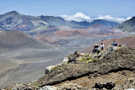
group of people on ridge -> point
(97, 51)
(100, 47)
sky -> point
(93, 8)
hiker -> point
(102, 46)
(114, 46)
(72, 58)
(114, 43)
(77, 54)
(96, 49)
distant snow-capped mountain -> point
(115, 19)
(83, 17)
(77, 17)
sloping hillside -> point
(16, 21)
(128, 25)
(10, 40)
(109, 24)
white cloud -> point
(116, 19)
(77, 17)
(82, 17)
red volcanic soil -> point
(85, 32)
(126, 41)
(48, 39)
(71, 32)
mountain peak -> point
(13, 12)
(133, 18)
(129, 25)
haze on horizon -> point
(116, 8)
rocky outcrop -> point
(129, 84)
(122, 59)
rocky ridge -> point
(119, 62)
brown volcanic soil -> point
(71, 33)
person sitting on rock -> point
(114, 43)
(73, 57)
(96, 49)
(76, 53)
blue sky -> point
(60, 7)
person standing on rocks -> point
(102, 46)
